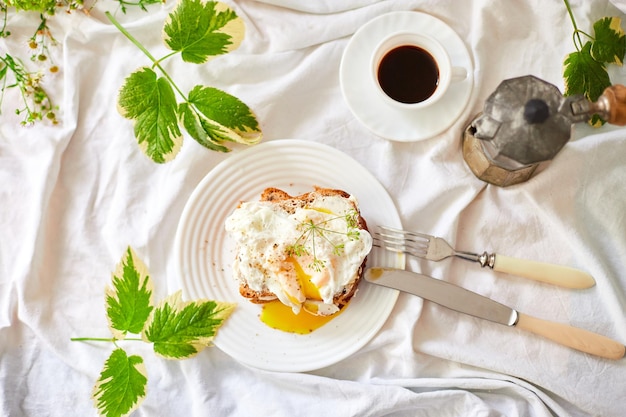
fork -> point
(435, 249)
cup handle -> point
(458, 74)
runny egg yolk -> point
(279, 316)
(309, 289)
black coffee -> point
(408, 74)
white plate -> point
(360, 92)
(205, 253)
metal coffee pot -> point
(526, 121)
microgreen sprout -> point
(312, 232)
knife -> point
(465, 301)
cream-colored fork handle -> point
(563, 276)
(573, 337)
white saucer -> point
(359, 90)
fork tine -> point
(403, 234)
(396, 240)
(400, 240)
(407, 247)
(430, 247)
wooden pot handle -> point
(613, 103)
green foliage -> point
(49, 7)
(226, 110)
(121, 386)
(177, 330)
(206, 132)
(197, 31)
(129, 300)
(180, 329)
(585, 70)
(584, 74)
(36, 103)
(609, 45)
(150, 101)
(41, 6)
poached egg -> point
(305, 258)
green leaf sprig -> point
(176, 329)
(585, 71)
(306, 243)
(197, 31)
(36, 103)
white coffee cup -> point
(412, 71)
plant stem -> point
(156, 62)
(167, 56)
(129, 36)
(4, 11)
(93, 339)
(577, 32)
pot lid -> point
(522, 121)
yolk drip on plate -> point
(279, 316)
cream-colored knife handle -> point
(576, 338)
(563, 276)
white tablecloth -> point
(74, 196)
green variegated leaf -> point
(202, 130)
(129, 298)
(584, 75)
(179, 329)
(121, 386)
(199, 30)
(228, 113)
(150, 102)
(609, 45)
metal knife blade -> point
(468, 302)
(443, 293)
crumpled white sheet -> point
(73, 197)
